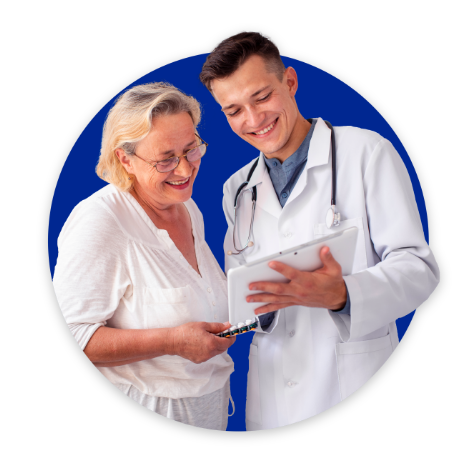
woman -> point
(138, 285)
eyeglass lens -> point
(170, 164)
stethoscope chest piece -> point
(332, 217)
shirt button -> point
(292, 333)
(288, 235)
(290, 384)
(214, 317)
(209, 290)
(181, 257)
(284, 195)
(213, 303)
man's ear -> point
(291, 79)
(125, 160)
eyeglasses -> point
(164, 166)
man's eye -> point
(262, 99)
(233, 113)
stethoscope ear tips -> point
(229, 252)
(250, 244)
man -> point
(322, 335)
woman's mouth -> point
(179, 184)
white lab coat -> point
(309, 359)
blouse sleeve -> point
(91, 274)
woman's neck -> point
(161, 211)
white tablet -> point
(305, 257)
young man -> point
(322, 335)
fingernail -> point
(272, 264)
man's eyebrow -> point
(172, 151)
(252, 95)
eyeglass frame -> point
(178, 157)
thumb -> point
(217, 327)
(326, 257)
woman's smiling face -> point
(170, 136)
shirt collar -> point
(318, 152)
(298, 156)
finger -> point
(268, 308)
(269, 298)
(269, 287)
(216, 327)
(222, 343)
(327, 259)
(286, 270)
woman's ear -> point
(125, 160)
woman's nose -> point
(184, 168)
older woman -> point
(138, 285)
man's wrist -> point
(343, 297)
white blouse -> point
(116, 268)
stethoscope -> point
(333, 218)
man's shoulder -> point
(239, 177)
(359, 146)
(356, 135)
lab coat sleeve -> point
(407, 273)
(234, 261)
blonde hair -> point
(130, 120)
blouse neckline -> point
(162, 233)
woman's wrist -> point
(170, 346)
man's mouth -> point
(266, 129)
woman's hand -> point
(197, 341)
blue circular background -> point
(319, 95)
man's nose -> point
(254, 117)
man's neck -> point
(299, 132)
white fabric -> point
(208, 411)
(312, 358)
(116, 268)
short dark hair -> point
(232, 52)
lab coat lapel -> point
(266, 197)
(318, 154)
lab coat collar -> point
(320, 143)
(318, 154)
(266, 196)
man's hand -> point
(197, 341)
(323, 288)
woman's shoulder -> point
(96, 216)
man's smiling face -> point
(259, 107)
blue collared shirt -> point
(284, 176)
